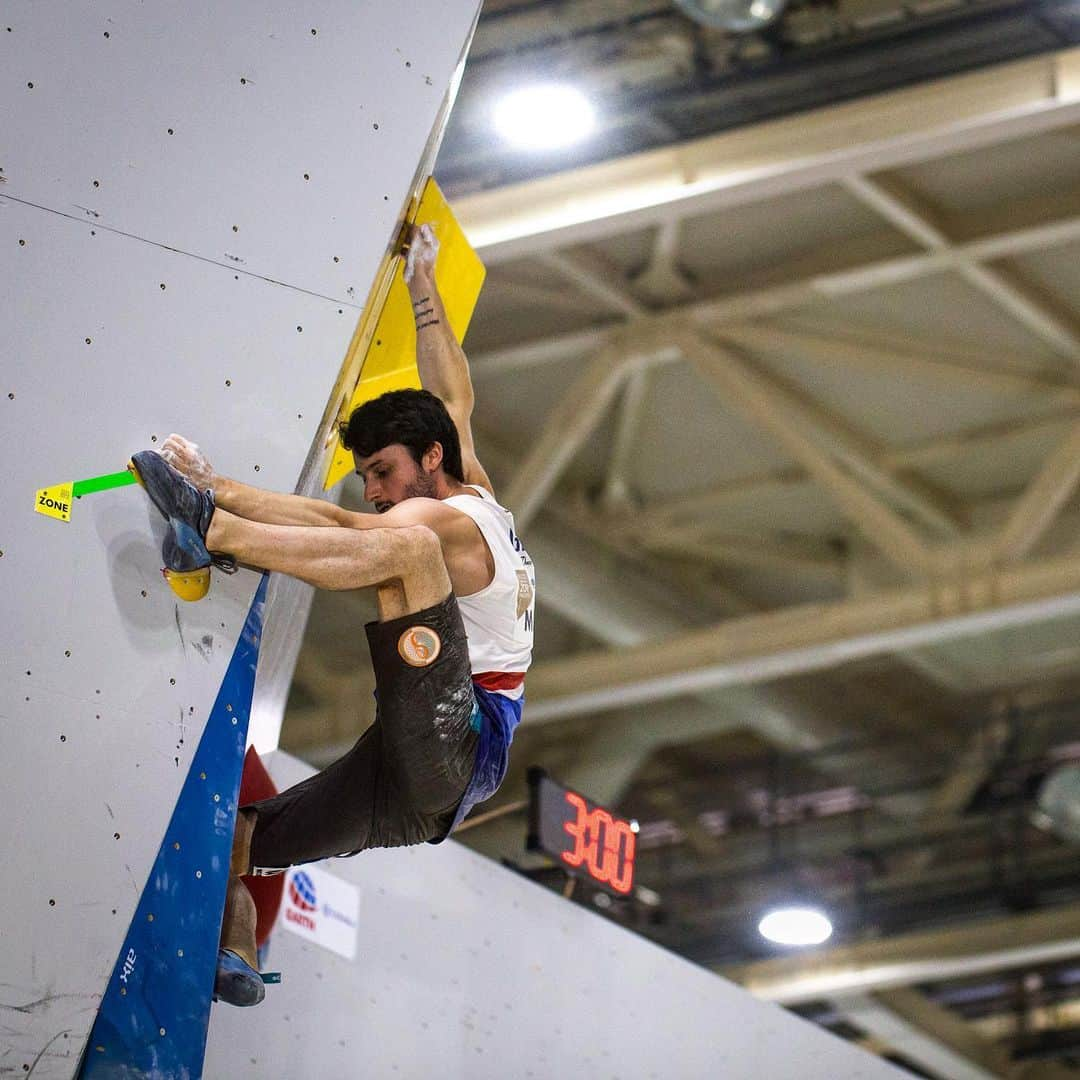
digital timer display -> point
(587, 840)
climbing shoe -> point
(236, 981)
(188, 512)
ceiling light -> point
(1059, 803)
(544, 117)
(795, 926)
(738, 16)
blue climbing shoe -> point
(236, 981)
(188, 512)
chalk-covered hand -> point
(185, 457)
(423, 251)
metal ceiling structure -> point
(789, 415)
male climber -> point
(455, 592)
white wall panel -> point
(465, 969)
(351, 106)
(106, 680)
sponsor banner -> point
(322, 908)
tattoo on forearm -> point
(421, 303)
(430, 322)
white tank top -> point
(499, 618)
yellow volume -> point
(390, 360)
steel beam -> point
(926, 1034)
(810, 637)
(597, 278)
(631, 412)
(924, 358)
(863, 457)
(662, 279)
(901, 209)
(573, 420)
(777, 414)
(774, 300)
(1043, 500)
(784, 556)
(795, 154)
(936, 451)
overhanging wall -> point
(196, 202)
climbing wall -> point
(462, 968)
(196, 203)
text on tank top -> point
(499, 618)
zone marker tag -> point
(57, 501)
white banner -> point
(322, 908)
